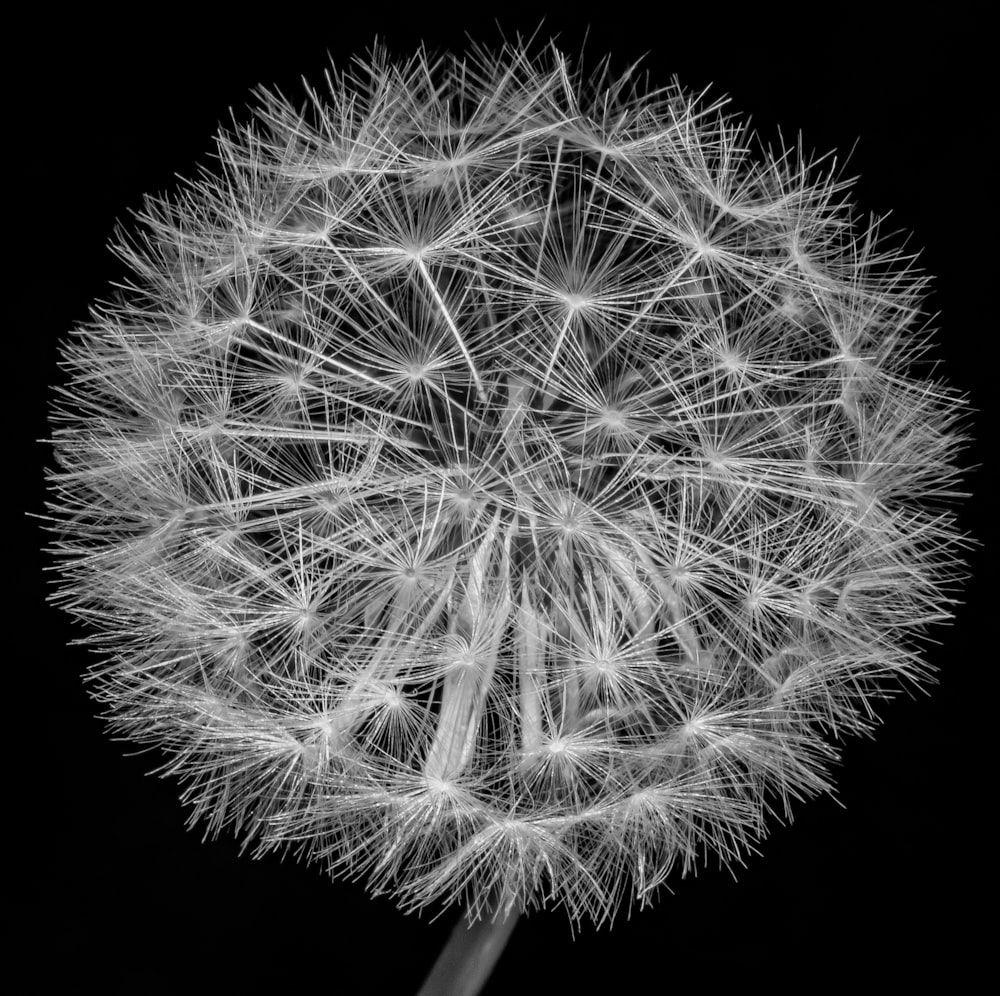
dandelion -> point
(504, 485)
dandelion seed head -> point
(504, 474)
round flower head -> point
(500, 482)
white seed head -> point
(497, 477)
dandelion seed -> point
(501, 485)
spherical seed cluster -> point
(498, 483)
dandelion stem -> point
(531, 651)
(468, 957)
(466, 684)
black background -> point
(117, 894)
